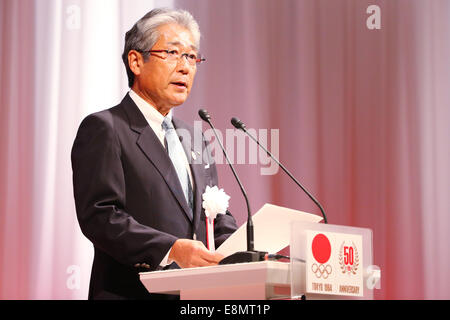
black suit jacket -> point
(129, 201)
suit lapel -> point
(197, 168)
(150, 145)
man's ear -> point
(135, 62)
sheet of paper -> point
(272, 230)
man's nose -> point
(183, 65)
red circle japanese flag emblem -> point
(321, 248)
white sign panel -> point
(334, 263)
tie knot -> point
(167, 124)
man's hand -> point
(191, 253)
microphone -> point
(238, 124)
(242, 256)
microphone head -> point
(238, 124)
(204, 115)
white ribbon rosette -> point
(215, 201)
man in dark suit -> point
(138, 197)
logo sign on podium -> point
(334, 263)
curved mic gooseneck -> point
(238, 124)
(242, 256)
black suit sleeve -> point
(100, 198)
(224, 226)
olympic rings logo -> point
(321, 271)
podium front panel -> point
(330, 261)
(252, 281)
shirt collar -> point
(153, 117)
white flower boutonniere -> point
(215, 201)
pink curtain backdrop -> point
(17, 147)
(363, 118)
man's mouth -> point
(180, 84)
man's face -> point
(166, 83)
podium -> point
(326, 262)
(242, 281)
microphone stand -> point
(242, 256)
(238, 124)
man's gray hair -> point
(144, 34)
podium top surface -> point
(176, 280)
